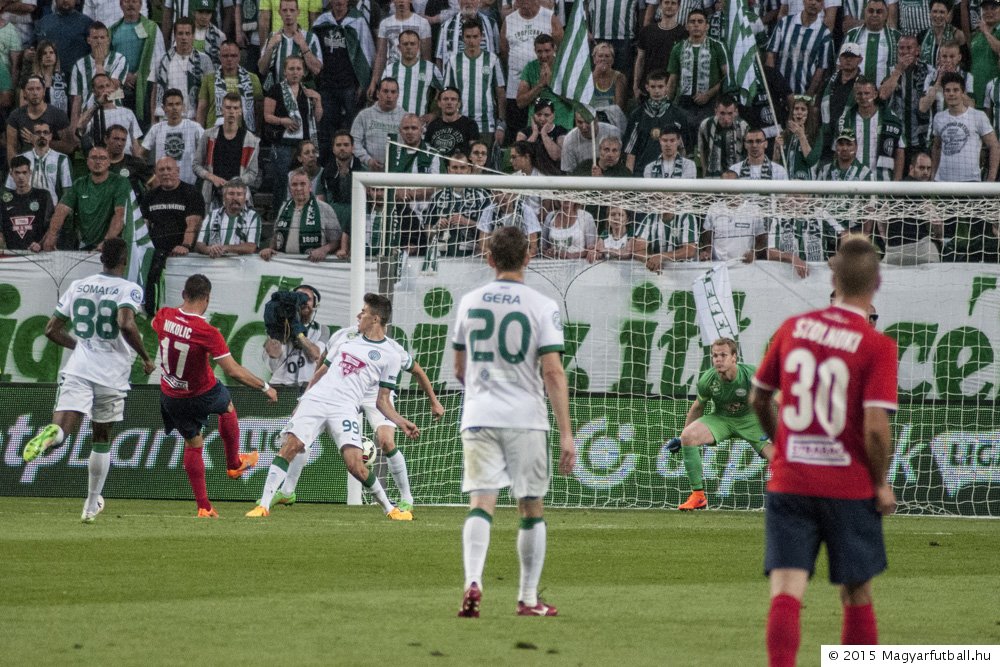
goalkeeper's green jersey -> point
(729, 399)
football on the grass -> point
(368, 452)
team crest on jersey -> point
(7, 197)
(742, 393)
(557, 320)
(374, 355)
(136, 295)
(349, 364)
(33, 206)
(715, 387)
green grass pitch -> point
(319, 584)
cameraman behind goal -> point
(293, 362)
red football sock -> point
(783, 631)
(859, 625)
(194, 465)
(229, 429)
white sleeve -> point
(550, 328)
(458, 340)
(65, 305)
(131, 297)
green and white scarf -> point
(766, 173)
(245, 89)
(224, 229)
(292, 105)
(194, 76)
(310, 226)
(798, 165)
(249, 11)
(696, 68)
(724, 145)
(213, 42)
(930, 44)
(889, 130)
(854, 172)
(676, 172)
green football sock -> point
(692, 465)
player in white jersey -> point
(332, 402)
(383, 427)
(505, 334)
(105, 340)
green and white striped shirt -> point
(855, 172)
(801, 50)
(415, 84)
(661, 235)
(477, 78)
(287, 47)
(115, 66)
(812, 239)
(612, 19)
(880, 49)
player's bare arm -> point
(56, 332)
(245, 377)
(557, 389)
(460, 366)
(878, 445)
(384, 404)
(130, 332)
(760, 401)
(437, 410)
(695, 412)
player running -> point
(727, 385)
(383, 428)
(105, 340)
(190, 391)
(505, 333)
(333, 401)
(837, 378)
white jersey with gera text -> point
(352, 333)
(504, 327)
(356, 367)
(90, 307)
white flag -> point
(713, 297)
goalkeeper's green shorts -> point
(723, 428)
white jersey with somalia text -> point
(504, 327)
(90, 308)
(352, 333)
(356, 367)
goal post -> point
(635, 348)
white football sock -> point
(295, 467)
(379, 494)
(531, 550)
(97, 471)
(475, 544)
(275, 476)
(397, 468)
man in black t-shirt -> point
(451, 131)
(21, 122)
(25, 211)
(173, 210)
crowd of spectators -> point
(235, 126)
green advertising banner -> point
(622, 462)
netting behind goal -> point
(634, 348)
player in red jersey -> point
(837, 377)
(190, 390)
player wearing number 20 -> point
(506, 333)
(837, 377)
(100, 311)
(190, 390)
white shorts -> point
(311, 418)
(102, 404)
(375, 418)
(495, 458)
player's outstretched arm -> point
(556, 387)
(437, 410)
(130, 332)
(878, 446)
(56, 332)
(243, 376)
(384, 404)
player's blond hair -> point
(855, 267)
(727, 342)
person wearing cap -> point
(451, 131)
(878, 131)
(138, 39)
(983, 46)
(839, 89)
(545, 137)
(535, 79)
(877, 40)
(845, 166)
(801, 47)
(902, 90)
(207, 36)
